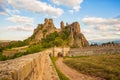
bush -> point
(2, 58)
(35, 48)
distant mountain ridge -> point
(100, 41)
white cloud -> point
(11, 12)
(86, 31)
(5, 10)
(75, 4)
(98, 21)
(24, 23)
(36, 6)
(102, 28)
(21, 19)
(20, 28)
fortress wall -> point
(61, 50)
(96, 50)
(29, 67)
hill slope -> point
(69, 35)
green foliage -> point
(108, 43)
(60, 74)
(94, 44)
(1, 49)
(65, 34)
(105, 66)
(35, 48)
(56, 39)
(51, 40)
(15, 44)
(2, 58)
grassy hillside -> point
(51, 40)
(104, 66)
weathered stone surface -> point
(95, 50)
(24, 68)
(62, 25)
(43, 30)
(75, 28)
(37, 66)
(77, 39)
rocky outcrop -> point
(43, 30)
(77, 39)
(62, 25)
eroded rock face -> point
(75, 28)
(43, 30)
(62, 25)
(77, 39)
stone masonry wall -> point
(29, 67)
(95, 50)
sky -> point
(98, 19)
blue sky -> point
(99, 19)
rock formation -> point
(43, 30)
(76, 38)
(62, 25)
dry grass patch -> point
(105, 66)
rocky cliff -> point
(43, 30)
(76, 38)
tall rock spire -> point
(62, 25)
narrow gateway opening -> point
(60, 54)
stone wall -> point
(29, 67)
(38, 66)
(62, 50)
(95, 50)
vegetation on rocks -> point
(51, 40)
(46, 36)
(105, 66)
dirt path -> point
(71, 73)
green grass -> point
(60, 74)
(105, 66)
